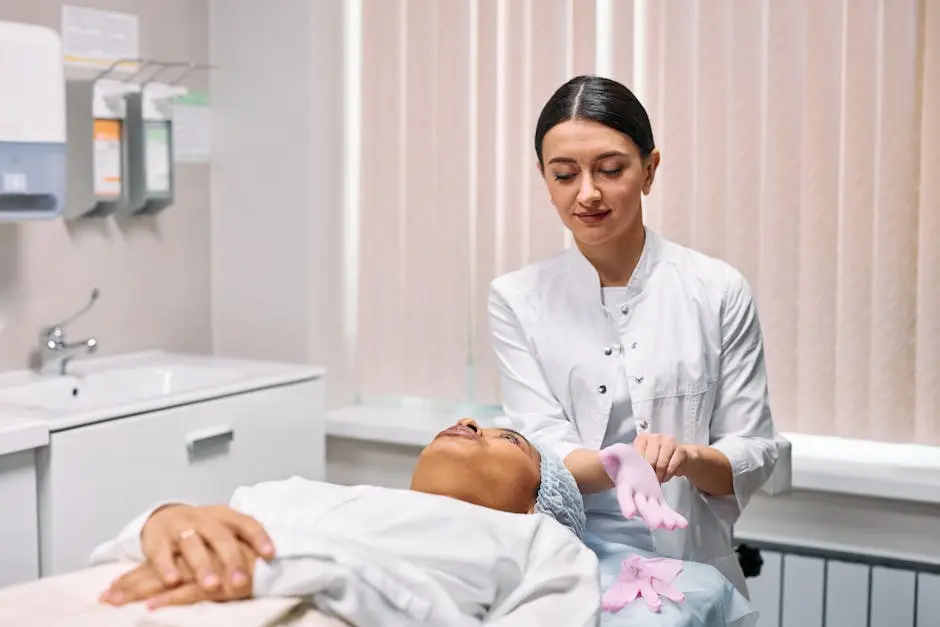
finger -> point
(652, 452)
(227, 554)
(676, 519)
(186, 573)
(144, 587)
(121, 580)
(249, 530)
(627, 500)
(115, 593)
(640, 443)
(664, 589)
(649, 511)
(158, 546)
(649, 595)
(669, 518)
(194, 551)
(187, 594)
(159, 537)
(666, 452)
(676, 462)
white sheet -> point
(398, 558)
(71, 601)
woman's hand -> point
(638, 490)
(208, 540)
(144, 583)
(668, 458)
(706, 468)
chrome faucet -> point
(55, 352)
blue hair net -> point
(559, 496)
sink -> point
(104, 388)
(115, 387)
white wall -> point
(277, 181)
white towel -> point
(72, 601)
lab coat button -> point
(624, 309)
(638, 379)
(602, 389)
(608, 351)
(643, 425)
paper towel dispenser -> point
(32, 123)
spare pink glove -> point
(647, 578)
(638, 489)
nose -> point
(588, 194)
(469, 422)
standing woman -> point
(630, 338)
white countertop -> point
(22, 434)
(21, 422)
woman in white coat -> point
(630, 338)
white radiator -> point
(804, 587)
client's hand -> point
(208, 540)
(638, 489)
(144, 583)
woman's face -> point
(596, 178)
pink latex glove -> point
(638, 489)
(647, 578)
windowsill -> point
(905, 472)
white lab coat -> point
(376, 556)
(694, 361)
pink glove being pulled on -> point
(638, 489)
(647, 578)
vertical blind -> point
(800, 141)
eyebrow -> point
(605, 155)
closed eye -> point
(612, 172)
(563, 177)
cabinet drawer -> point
(93, 480)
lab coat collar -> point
(587, 283)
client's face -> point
(495, 468)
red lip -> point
(592, 218)
(459, 431)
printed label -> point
(158, 158)
(107, 157)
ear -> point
(650, 165)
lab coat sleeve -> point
(560, 586)
(527, 398)
(741, 425)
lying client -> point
(458, 548)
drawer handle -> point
(212, 435)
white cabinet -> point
(19, 548)
(94, 479)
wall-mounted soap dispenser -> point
(150, 147)
(32, 123)
(97, 146)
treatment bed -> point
(71, 601)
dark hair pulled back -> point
(600, 100)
